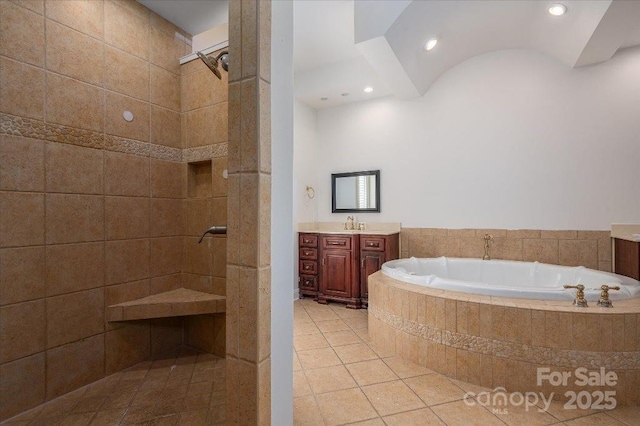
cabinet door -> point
(370, 262)
(336, 273)
(627, 258)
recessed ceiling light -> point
(430, 44)
(368, 89)
(558, 9)
(345, 94)
(323, 98)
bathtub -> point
(525, 280)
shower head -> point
(212, 63)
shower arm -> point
(219, 229)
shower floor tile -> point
(184, 387)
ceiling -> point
(342, 46)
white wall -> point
(282, 222)
(305, 156)
(510, 139)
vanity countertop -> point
(625, 231)
(338, 228)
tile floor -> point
(180, 388)
(340, 378)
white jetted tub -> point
(527, 280)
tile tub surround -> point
(500, 342)
(93, 207)
(591, 249)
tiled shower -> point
(94, 209)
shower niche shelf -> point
(174, 303)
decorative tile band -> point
(515, 351)
(29, 128)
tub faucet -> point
(580, 301)
(488, 240)
(214, 230)
(604, 301)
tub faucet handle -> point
(604, 301)
(580, 301)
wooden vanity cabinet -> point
(335, 267)
(627, 258)
(374, 251)
(308, 265)
(339, 274)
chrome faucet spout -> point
(218, 229)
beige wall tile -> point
(523, 233)
(198, 256)
(25, 29)
(195, 92)
(22, 330)
(127, 29)
(200, 130)
(74, 218)
(22, 274)
(248, 215)
(165, 88)
(21, 164)
(166, 256)
(22, 219)
(199, 215)
(22, 384)
(264, 123)
(604, 249)
(74, 267)
(126, 74)
(126, 175)
(126, 292)
(126, 260)
(264, 40)
(74, 365)
(127, 346)
(219, 257)
(220, 123)
(115, 124)
(166, 334)
(471, 247)
(249, 143)
(540, 250)
(206, 333)
(166, 217)
(507, 249)
(74, 104)
(84, 16)
(220, 210)
(165, 49)
(74, 316)
(219, 165)
(559, 235)
(168, 179)
(166, 127)
(249, 39)
(166, 283)
(73, 169)
(126, 217)
(69, 51)
(578, 252)
(21, 89)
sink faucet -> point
(350, 220)
(488, 240)
(214, 230)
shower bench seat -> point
(174, 303)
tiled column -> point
(249, 221)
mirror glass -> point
(355, 192)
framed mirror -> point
(355, 192)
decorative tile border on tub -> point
(509, 350)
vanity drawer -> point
(372, 243)
(309, 282)
(337, 242)
(308, 267)
(308, 253)
(308, 240)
